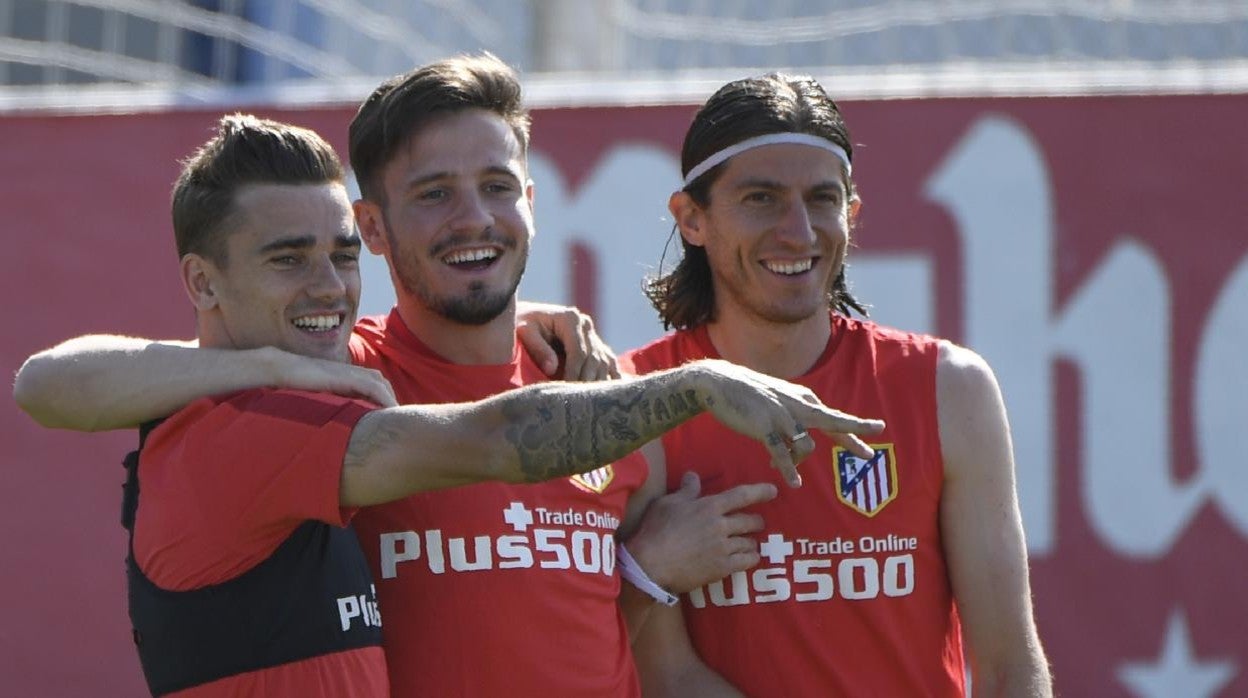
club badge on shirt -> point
(594, 481)
(866, 485)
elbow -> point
(35, 390)
(30, 390)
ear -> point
(530, 193)
(855, 205)
(198, 279)
(689, 217)
(372, 225)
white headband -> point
(768, 139)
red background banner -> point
(1094, 249)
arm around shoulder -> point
(92, 383)
(101, 382)
(982, 528)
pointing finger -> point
(743, 496)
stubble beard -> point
(478, 307)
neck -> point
(488, 344)
(784, 350)
(211, 332)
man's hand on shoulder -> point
(321, 375)
(559, 335)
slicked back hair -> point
(245, 150)
(396, 111)
(742, 109)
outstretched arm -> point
(551, 430)
(983, 532)
(100, 382)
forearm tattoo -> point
(575, 429)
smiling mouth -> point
(318, 323)
(790, 268)
(472, 259)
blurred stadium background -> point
(1057, 183)
(889, 48)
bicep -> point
(654, 486)
(980, 520)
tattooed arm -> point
(552, 430)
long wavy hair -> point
(773, 103)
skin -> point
(780, 209)
(291, 276)
(459, 188)
(773, 208)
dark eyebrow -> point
(755, 183)
(303, 242)
(435, 176)
(772, 185)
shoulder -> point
(962, 374)
(365, 338)
(667, 351)
(970, 409)
(876, 333)
(264, 408)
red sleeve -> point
(230, 477)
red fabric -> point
(788, 626)
(223, 483)
(539, 618)
(351, 674)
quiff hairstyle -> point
(396, 111)
(742, 109)
(245, 150)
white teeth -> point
(789, 267)
(318, 323)
(471, 255)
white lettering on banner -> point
(620, 213)
(1221, 400)
(587, 551)
(995, 184)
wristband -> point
(633, 574)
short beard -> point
(478, 308)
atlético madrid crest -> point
(595, 481)
(866, 485)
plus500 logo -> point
(591, 552)
(812, 580)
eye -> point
(346, 259)
(284, 261)
(433, 195)
(828, 197)
(759, 197)
(499, 187)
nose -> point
(326, 279)
(795, 225)
(472, 214)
